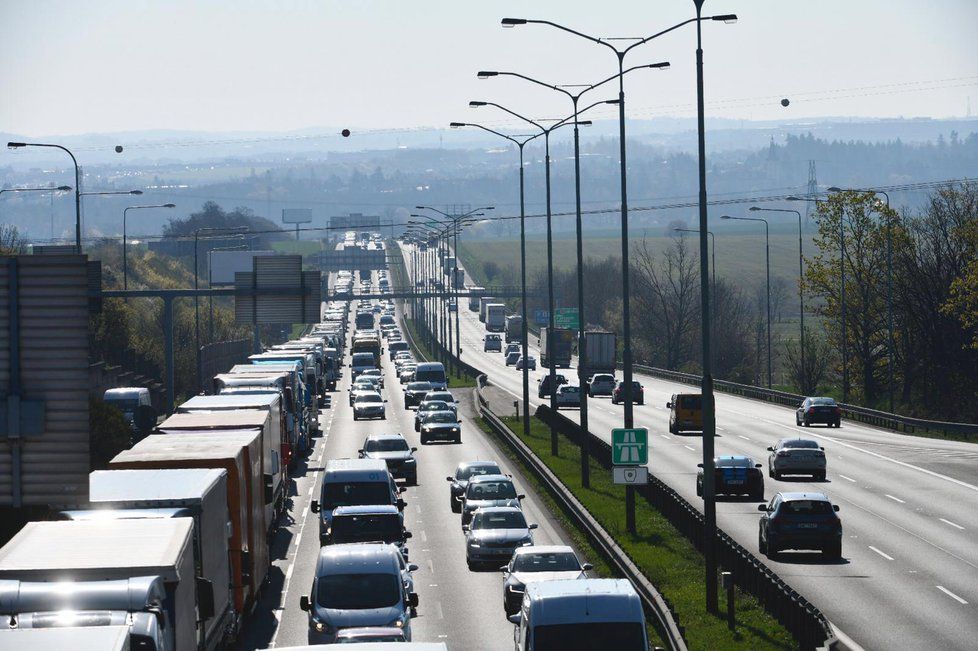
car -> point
(394, 336)
(488, 490)
(685, 413)
(638, 393)
(800, 521)
(370, 635)
(393, 449)
(414, 393)
(374, 372)
(369, 404)
(441, 394)
(568, 395)
(440, 425)
(512, 358)
(357, 585)
(369, 523)
(460, 480)
(795, 456)
(601, 384)
(823, 411)
(543, 386)
(734, 475)
(532, 564)
(494, 533)
(531, 363)
(395, 347)
(406, 373)
(356, 390)
(492, 343)
(429, 406)
(511, 348)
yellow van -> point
(685, 413)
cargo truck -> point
(484, 302)
(563, 346)
(278, 382)
(197, 493)
(514, 328)
(300, 394)
(239, 454)
(601, 353)
(475, 293)
(76, 638)
(495, 317)
(310, 378)
(136, 572)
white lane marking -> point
(952, 595)
(886, 556)
(848, 478)
(666, 437)
(895, 499)
(956, 526)
(743, 437)
(881, 456)
(424, 536)
(441, 614)
(689, 447)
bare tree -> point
(818, 359)
(11, 243)
(779, 297)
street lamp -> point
(110, 192)
(889, 285)
(125, 266)
(60, 188)
(767, 264)
(520, 142)
(801, 282)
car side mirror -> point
(304, 603)
(533, 526)
(465, 527)
(407, 534)
(414, 449)
(314, 506)
(668, 405)
(587, 567)
(385, 399)
(412, 600)
(821, 448)
(835, 507)
(757, 465)
(515, 618)
(699, 465)
(770, 449)
(449, 479)
(412, 568)
(360, 452)
(401, 504)
(762, 507)
(520, 496)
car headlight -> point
(454, 430)
(397, 623)
(474, 543)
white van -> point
(580, 614)
(128, 400)
(353, 482)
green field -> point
(302, 247)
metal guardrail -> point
(664, 619)
(895, 422)
(802, 619)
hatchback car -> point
(460, 480)
(441, 426)
(492, 343)
(489, 490)
(796, 457)
(601, 384)
(638, 394)
(735, 475)
(369, 404)
(494, 533)
(511, 348)
(800, 521)
(414, 393)
(823, 411)
(530, 361)
(374, 372)
(512, 358)
(543, 386)
(532, 564)
(430, 406)
(394, 450)
(568, 395)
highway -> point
(909, 573)
(460, 607)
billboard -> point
(354, 221)
(296, 215)
(222, 265)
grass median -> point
(670, 561)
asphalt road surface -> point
(909, 573)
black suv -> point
(415, 392)
(800, 521)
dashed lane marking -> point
(956, 526)
(952, 595)
(884, 555)
(895, 499)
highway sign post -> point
(567, 317)
(629, 455)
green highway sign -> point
(567, 317)
(630, 447)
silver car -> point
(568, 395)
(796, 457)
(369, 404)
(602, 384)
(532, 564)
(494, 533)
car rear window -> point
(823, 402)
(475, 471)
(690, 402)
(801, 443)
(734, 463)
(806, 507)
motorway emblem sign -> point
(541, 317)
(630, 447)
(631, 475)
(567, 317)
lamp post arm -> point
(540, 83)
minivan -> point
(580, 614)
(353, 482)
(685, 413)
(432, 372)
(357, 585)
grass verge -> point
(663, 553)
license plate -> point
(807, 525)
(734, 482)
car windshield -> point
(419, 386)
(358, 591)
(433, 405)
(806, 507)
(622, 636)
(546, 562)
(356, 493)
(397, 444)
(734, 462)
(567, 389)
(367, 528)
(431, 375)
(440, 417)
(801, 443)
(367, 397)
(491, 490)
(603, 378)
(689, 402)
(440, 395)
(475, 471)
(499, 520)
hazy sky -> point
(71, 66)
